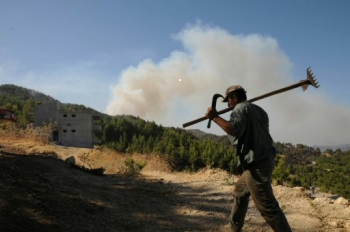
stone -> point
(322, 200)
(341, 201)
(301, 189)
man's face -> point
(232, 100)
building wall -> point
(73, 128)
(76, 128)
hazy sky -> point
(128, 57)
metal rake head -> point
(311, 79)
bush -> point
(131, 167)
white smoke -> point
(211, 61)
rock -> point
(301, 189)
(333, 223)
(347, 225)
(347, 210)
(341, 201)
(322, 200)
(70, 161)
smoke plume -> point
(180, 87)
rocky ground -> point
(39, 191)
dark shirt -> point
(253, 141)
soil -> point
(41, 192)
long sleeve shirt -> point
(253, 141)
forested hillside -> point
(181, 149)
(23, 101)
(297, 165)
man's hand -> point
(211, 113)
(225, 125)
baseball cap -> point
(231, 89)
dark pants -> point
(255, 181)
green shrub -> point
(131, 167)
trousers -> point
(255, 181)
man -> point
(248, 131)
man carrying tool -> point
(248, 131)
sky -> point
(164, 60)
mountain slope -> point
(203, 135)
(9, 91)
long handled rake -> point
(310, 80)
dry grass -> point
(11, 130)
(114, 162)
(36, 140)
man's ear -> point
(234, 97)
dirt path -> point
(40, 192)
(212, 188)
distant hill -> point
(18, 95)
(9, 92)
(223, 139)
(343, 147)
(203, 135)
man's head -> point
(235, 94)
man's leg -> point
(240, 205)
(259, 184)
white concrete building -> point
(73, 128)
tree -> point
(27, 115)
(281, 172)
